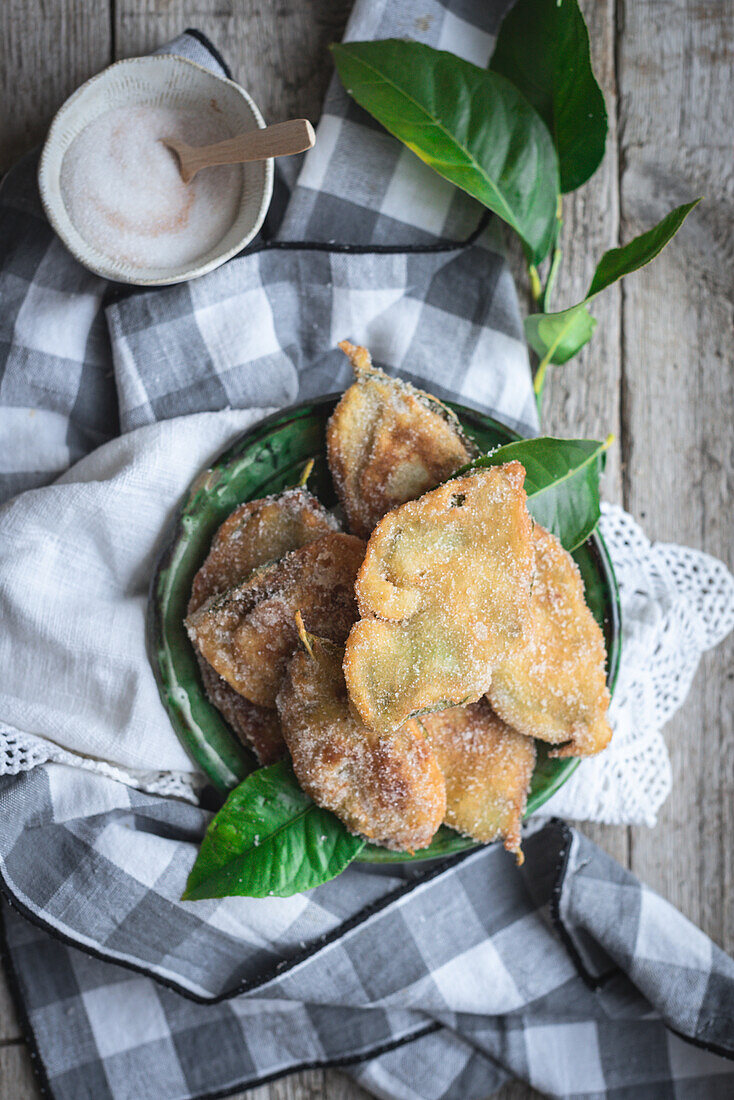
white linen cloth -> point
(75, 563)
(447, 979)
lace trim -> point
(676, 603)
(20, 752)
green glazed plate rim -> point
(203, 732)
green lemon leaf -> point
(543, 48)
(622, 261)
(561, 480)
(559, 336)
(556, 337)
(472, 126)
(270, 838)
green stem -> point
(539, 381)
(305, 474)
(536, 288)
(543, 300)
(551, 280)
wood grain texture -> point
(583, 397)
(278, 52)
(17, 1080)
(47, 48)
(658, 371)
(675, 64)
(311, 1085)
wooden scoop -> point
(281, 140)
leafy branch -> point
(516, 137)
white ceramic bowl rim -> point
(94, 259)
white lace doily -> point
(19, 752)
(676, 603)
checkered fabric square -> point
(567, 974)
(436, 981)
(81, 360)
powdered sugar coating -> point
(487, 767)
(387, 443)
(553, 685)
(443, 591)
(257, 727)
(249, 633)
(256, 532)
(386, 787)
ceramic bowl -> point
(162, 80)
(269, 457)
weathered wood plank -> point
(675, 66)
(17, 1079)
(582, 398)
(280, 56)
(46, 51)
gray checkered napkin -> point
(436, 982)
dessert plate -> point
(266, 459)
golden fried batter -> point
(255, 533)
(249, 633)
(257, 727)
(487, 767)
(387, 787)
(552, 685)
(388, 442)
(449, 576)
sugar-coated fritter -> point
(257, 727)
(255, 533)
(487, 767)
(249, 633)
(552, 686)
(443, 592)
(386, 787)
(388, 442)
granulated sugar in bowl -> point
(122, 188)
(113, 192)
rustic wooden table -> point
(659, 372)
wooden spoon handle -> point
(280, 140)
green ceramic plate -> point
(267, 459)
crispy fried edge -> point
(336, 432)
(256, 586)
(574, 746)
(310, 646)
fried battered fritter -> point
(257, 727)
(388, 787)
(255, 533)
(487, 767)
(388, 442)
(249, 633)
(552, 685)
(449, 576)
